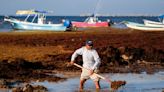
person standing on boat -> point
(91, 63)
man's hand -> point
(70, 63)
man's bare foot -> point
(80, 89)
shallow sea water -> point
(135, 83)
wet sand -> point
(34, 56)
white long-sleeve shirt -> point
(91, 59)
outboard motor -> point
(67, 23)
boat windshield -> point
(41, 18)
(91, 20)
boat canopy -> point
(41, 11)
(27, 12)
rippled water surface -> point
(135, 83)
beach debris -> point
(117, 84)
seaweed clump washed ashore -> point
(116, 84)
(34, 56)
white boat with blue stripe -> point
(39, 25)
(143, 27)
(159, 23)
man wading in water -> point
(91, 63)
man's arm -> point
(97, 60)
(75, 54)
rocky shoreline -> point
(32, 56)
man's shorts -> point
(86, 75)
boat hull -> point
(21, 25)
(153, 23)
(138, 26)
(85, 24)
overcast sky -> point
(77, 7)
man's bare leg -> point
(97, 84)
(82, 81)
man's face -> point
(89, 47)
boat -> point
(91, 21)
(143, 27)
(155, 23)
(41, 24)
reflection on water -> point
(135, 83)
